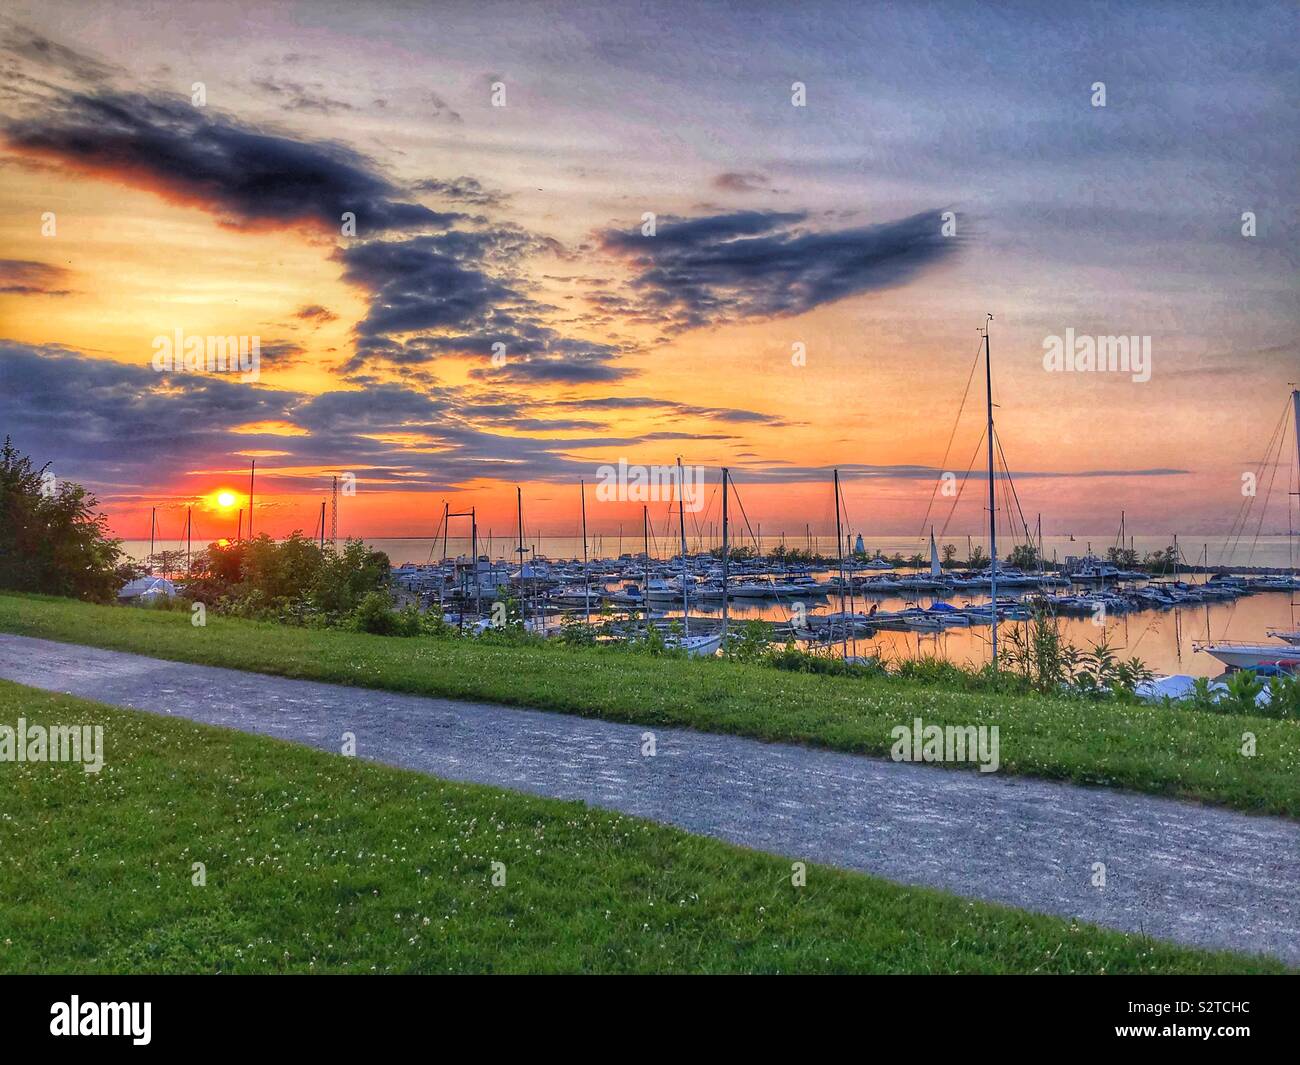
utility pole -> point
(322, 526)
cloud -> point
(247, 177)
(111, 424)
(24, 277)
(314, 312)
(427, 282)
(665, 406)
(49, 55)
(295, 96)
(764, 264)
(743, 181)
(123, 421)
(585, 368)
(462, 190)
(457, 294)
(282, 353)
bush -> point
(375, 615)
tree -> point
(1023, 556)
(1123, 557)
(1161, 561)
(52, 538)
(949, 555)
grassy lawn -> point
(1180, 753)
(320, 863)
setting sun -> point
(226, 499)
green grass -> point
(1176, 752)
(320, 863)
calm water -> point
(1163, 638)
(1267, 551)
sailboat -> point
(1285, 655)
(695, 646)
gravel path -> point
(1177, 871)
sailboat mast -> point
(645, 584)
(519, 518)
(681, 517)
(252, 472)
(1295, 410)
(839, 551)
(993, 523)
(519, 525)
(586, 580)
(724, 558)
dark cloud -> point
(123, 421)
(427, 282)
(315, 313)
(763, 264)
(743, 181)
(462, 190)
(245, 176)
(721, 414)
(25, 277)
(442, 109)
(295, 96)
(553, 369)
(112, 424)
(50, 55)
(282, 353)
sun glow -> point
(226, 499)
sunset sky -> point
(776, 226)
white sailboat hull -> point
(697, 646)
(1245, 655)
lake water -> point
(1161, 638)
(1277, 550)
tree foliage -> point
(52, 538)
